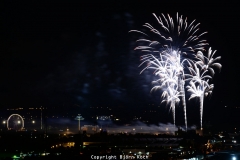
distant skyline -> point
(81, 54)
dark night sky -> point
(55, 54)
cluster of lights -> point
(69, 144)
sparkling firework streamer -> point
(200, 90)
(171, 95)
(177, 39)
(198, 86)
(208, 62)
(177, 36)
(179, 47)
(168, 79)
(168, 72)
(196, 75)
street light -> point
(4, 122)
(79, 118)
(33, 122)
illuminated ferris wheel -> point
(15, 122)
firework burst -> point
(179, 50)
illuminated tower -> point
(79, 118)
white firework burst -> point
(208, 62)
(199, 90)
(180, 49)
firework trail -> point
(168, 78)
(208, 62)
(198, 85)
(201, 90)
(171, 95)
(180, 49)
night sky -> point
(81, 54)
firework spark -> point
(180, 49)
(208, 62)
(178, 36)
(201, 90)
